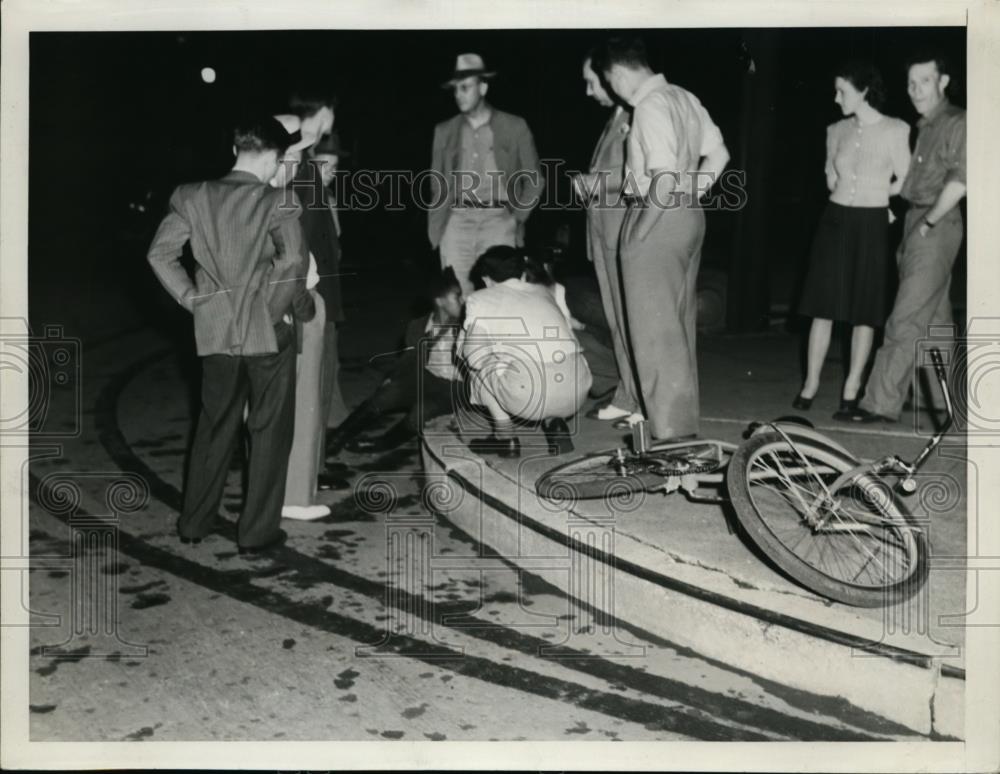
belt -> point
(643, 201)
(477, 205)
(611, 198)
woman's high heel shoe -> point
(801, 403)
(847, 408)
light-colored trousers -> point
(659, 282)
(310, 416)
(531, 390)
(922, 301)
(470, 231)
(604, 227)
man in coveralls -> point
(932, 235)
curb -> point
(908, 686)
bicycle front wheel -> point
(852, 541)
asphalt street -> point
(339, 635)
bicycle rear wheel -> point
(856, 544)
(605, 475)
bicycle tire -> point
(590, 477)
(875, 494)
(594, 476)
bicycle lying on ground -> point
(828, 520)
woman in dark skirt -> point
(867, 155)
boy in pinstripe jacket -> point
(250, 271)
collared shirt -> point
(671, 130)
(250, 260)
(478, 162)
(863, 159)
(521, 176)
(335, 214)
(441, 350)
(939, 156)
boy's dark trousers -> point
(410, 388)
(413, 389)
(227, 382)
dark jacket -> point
(514, 148)
(416, 330)
(321, 236)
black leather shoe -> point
(501, 447)
(862, 416)
(366, 446)
(909, 405)
(325, 482)
(847, 409)
(393, 438)
(557, 435)
(359, 419)
(279, 540)
(801, 403)
(217, 525)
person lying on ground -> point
(424, 382)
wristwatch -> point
(927, 222)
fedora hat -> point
(467, 65)
(293, 125)
(331, 145)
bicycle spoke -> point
(785, 476)
(838, 514)
(859, 544)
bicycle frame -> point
(877, 468)
(690, 483)
(863, 550)
(894, 464)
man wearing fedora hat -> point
(322, 229)
(316, 110)
(306, 455)
(486, 177)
